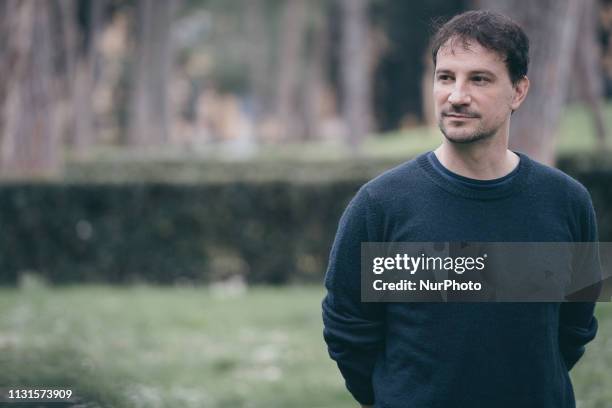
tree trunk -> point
(6, 63)
(552, 29)
(355, 68)
(149, 115)
(314, 79)
(257, 57)
(29, 144)
(290, 58)
(85, 74)
(587, 68)
(82, 22)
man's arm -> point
(353, 330)
(577, 323)
(577, 327)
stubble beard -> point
(476, 136)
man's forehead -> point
(465, 48)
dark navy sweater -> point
(430, 355)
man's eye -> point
(480, 79)
(444, 77)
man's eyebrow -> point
(482, 71)
(474, 72)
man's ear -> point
(520, 92)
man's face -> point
(473, 93)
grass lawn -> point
(195, 347)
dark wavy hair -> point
(493, 31)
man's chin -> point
(464, 136)
(460, 138)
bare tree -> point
(149, 114)
(355, 68)
(81, 22)
(587, 68)
(257, 57)
(292, 28)
(314, 78)
(29, 144)
(84, 80)
(552, 29)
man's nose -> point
(459, 96)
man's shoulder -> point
(397, 180)
(556, 180)
(560, 187)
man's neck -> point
(478, 161)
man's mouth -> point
(459, 116)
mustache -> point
(461, 112)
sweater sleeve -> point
(577, 323)
(353, 330)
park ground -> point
(144, 346)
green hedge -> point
(272, 232)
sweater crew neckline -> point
(492, 192)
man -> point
(471, 188)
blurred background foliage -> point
(173, 131)
(215, 143)
(235, 79)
